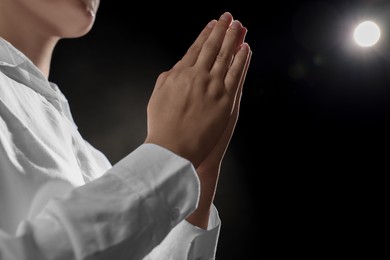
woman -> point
(60, 198)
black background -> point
(305, 175)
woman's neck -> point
(38, 50)
(36, 45)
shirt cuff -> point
(189, 242)
(204, 243)
(172, 178)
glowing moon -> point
(367, 34)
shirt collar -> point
(12, 57)
(19, 67)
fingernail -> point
(245, 31)
(226, 16)
(212, 23)
(236, 25)
(244, 47)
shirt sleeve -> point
(185, 241)
(117, 216)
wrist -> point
(199, 218)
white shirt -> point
(60, 198)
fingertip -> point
(244, 32)
(212, 23)
(245, 47)
(226, 16)
(236, 24)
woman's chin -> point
(79, 28)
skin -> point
(194, 107)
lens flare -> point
(367, 34)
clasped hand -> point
(194, 106)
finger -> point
(228, 133)
(237, 101)
(233, 39)
(236, 74)
(244, 31)
(192, 53)
(214, 42)
(243, 76)
(236, 107)
(222, 145)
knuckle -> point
(217, 91)
(164, 74)
(195, 49)
(181, 77)
(202, 82)
(224, 57)
(234, 72)
(210, 46)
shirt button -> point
(175, 213)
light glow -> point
(367, 34)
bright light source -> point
(367, 34)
